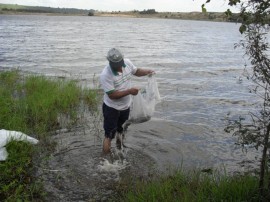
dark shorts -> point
(113, 120)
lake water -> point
(198, 70)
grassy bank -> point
(34, 105)
(194, 186)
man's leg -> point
(124, 115)
(111, 116)
(106, 145)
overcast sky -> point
(127, 5)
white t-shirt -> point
(115, 81)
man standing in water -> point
(115, 81)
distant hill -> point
(149, 13)
(11, 8)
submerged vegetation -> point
(33, 105)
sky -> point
(128, 5)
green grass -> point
(16, 180)
(194, 186)
(33, 104)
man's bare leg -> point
(106, 145)
(118, 140)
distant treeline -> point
(148, 11)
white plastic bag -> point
(143, 104)
(6, 136)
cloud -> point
(127, 5)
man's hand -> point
(134, 91)
(119, 94)
(150, 72)
(144, 72)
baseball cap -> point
(115, 58)
(114, 55)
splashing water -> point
(114, 167)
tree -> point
(91, 13)
(148, 11)
(255, 129)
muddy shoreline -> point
(78, 171)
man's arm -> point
(119, 94)
(143, 72)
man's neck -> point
(120, 70)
